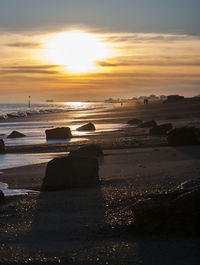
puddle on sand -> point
(13, 192)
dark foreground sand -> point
(93, 226)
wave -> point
(19, 112)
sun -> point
(78, 51)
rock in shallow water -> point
(71, 172)
(87, 127)
(58, 133)
(88, 150)
(176, 212)
(184, 136)
(2, 147)
(16, 134)
(2, 197)
(134, 121)
(160, 129)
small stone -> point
(87, 127)
(16, 134)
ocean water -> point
(34, 129)
(10, 110)
(13, 192)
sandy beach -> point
(93, 226)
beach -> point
(93, 226)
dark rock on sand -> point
(148, 124)
(184, 136)
(161, 129)
(177, 212)
(2, 197)
(71, 172)
(87, 127)
(2, 147)
(16, 134)
(88, 150)
(58, 133)
(134, 121)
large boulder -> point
(71, 172)
(2, 147)
(58, 133)
(147, 124)
(175, 212)
(2, 197)
(161, 129)
(134, 121)
(87, 127)
(88, 150)
(184, 136)
(16, 134)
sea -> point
(13, 116)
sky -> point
(107, 48)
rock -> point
(184, 136)
(58, 133)
(2, 197)
(177, 212)
(88, 150)
(71, 172)
(16, 134)
(160, 129)
(134, 121)
(148, 124)
(87, 127)
(2, 147)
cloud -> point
(156, 62)
(30, 69)
(144, 37)
(26, 45)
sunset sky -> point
(91, 50)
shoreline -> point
(93, 226)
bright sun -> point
(77, 50)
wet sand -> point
(93, 226)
